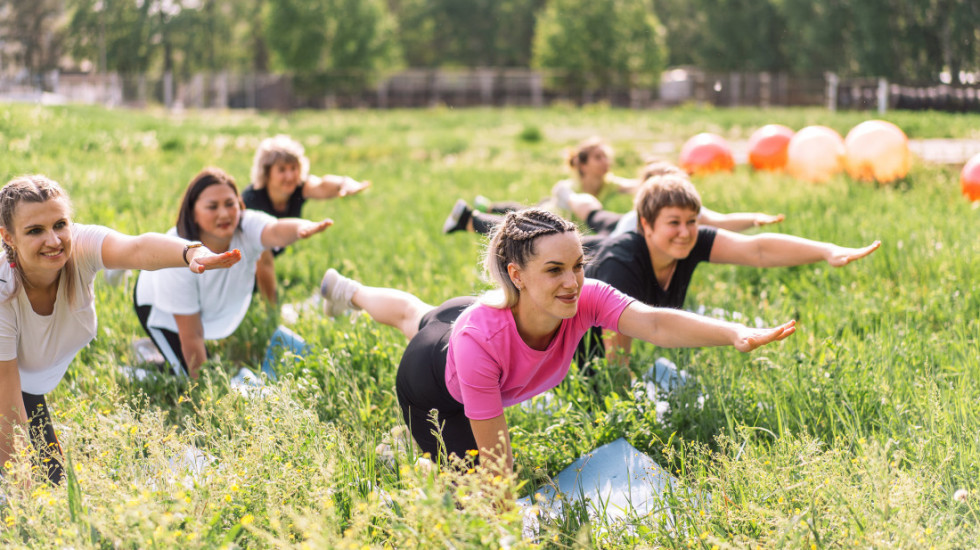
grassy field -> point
(855, 432)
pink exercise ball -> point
(815, 154)
(877, 151)
(970, 178)
(706, 153)
(768, 145)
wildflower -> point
(248, 519)
(473, 452)
(961, 495)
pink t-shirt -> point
(489, 366)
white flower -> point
(961, 495)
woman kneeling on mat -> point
(47, 299)
(469, 358)
(180, 313)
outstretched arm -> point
(285, 231)
(151, 251)
(624, 185)
(776, 250)
(12, 412)
(737, 221)
(671, 328)
(331, 187)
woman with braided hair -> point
(47, 299)
(469, 358)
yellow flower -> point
(248, 519)
(473, 452)
(227, 498)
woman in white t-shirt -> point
(180, 313)
(47, 298)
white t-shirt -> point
(44, 345)
(220, 296)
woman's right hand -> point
(748, 339)
(203, 259)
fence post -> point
(168, 89)
(882, 96)
(537, 94)
(383, 93)
(221, 90)
(765, 90)
(735, 89)
(832, 82)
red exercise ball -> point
(970, 178)
(706, 153)
(815, 154)
(768, 145)
(877, 151)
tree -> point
(31, 24)
(739, 35)
(599, 45)
(474, 33)
(310, 35)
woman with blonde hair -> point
(467, 359)
(280, 184)
(47, 299)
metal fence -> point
(477, 87)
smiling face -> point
(284, 177)
(41, 235)
(673, 235)
(551, 281)
(217, 212)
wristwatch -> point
(189, 246)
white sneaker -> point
(560, 194)
(337, 291)
(452, 221)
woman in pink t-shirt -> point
(468, 359)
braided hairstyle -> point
(512, 242)
(34, 188)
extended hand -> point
(203, 261)
(312, 228)
(841, 256)
(767, 219)
(750, 338)
(351, 186)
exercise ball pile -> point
(877, 151)
(815, 154)
(768, 146)
(706, 153)
(970, 178)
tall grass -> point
(856, 431)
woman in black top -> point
(281, 184)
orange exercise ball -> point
(970, 178)
(768, 145)
(815, 153)
(706, 153)
(878, 151)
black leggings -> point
(43, 438)
(421, 386)
(602, 222)
(168, 342)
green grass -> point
(856, 431)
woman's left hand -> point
(748, 339)
(840, 256)
(312, 228)
(350, 186)
(202, 261)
